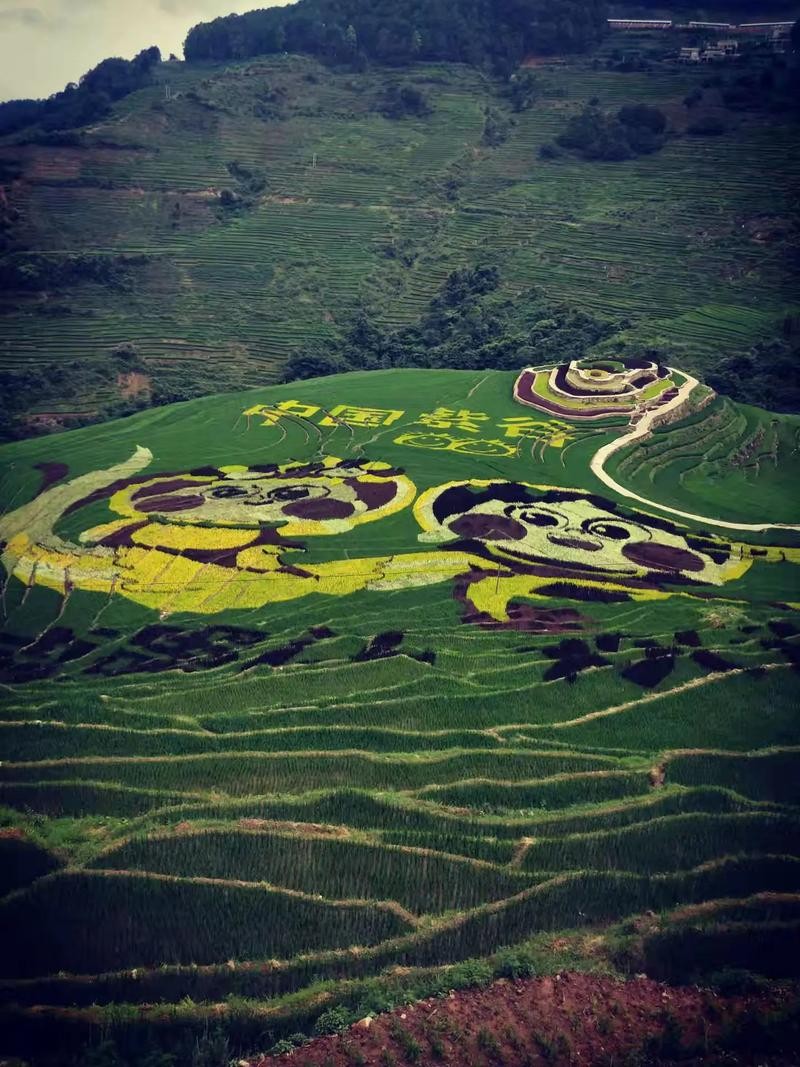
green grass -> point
(231, 828)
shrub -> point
(634, 130)
(496, 128)
(513, 963)
(736, 981)
(402, 101)
(211, 1050)
(706, 127)
(334, 1021)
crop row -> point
(93, 922)
(245, 773)
(333, 867)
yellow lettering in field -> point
(450, 419)
(273, 413)
(554, 432)
(445, 443)
(355, 416)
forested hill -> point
(720, 9)
(400, 31)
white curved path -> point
(642, 428)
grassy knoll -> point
(434, 729)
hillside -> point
(313, 682)
(400, 544)
(231, 213)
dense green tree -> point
(89, 101)
(397, 32)
(464, 327)
(768, 376)
(635, 130)
(523, 89)
(401, 101)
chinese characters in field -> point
(440, 430)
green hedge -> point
(22, 862)
(240, 775)
(692, 953)
(554, 793)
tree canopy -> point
(633, 131)
(465, 326)
(397, 32)
(86, 102)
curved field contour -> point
(642, 428)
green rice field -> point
(301, 686)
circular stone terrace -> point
(597, 389)
(647, 393)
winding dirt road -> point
(641, 430)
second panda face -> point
(575, 530)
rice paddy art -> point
(290, 698)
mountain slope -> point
(336, 208)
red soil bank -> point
(564, 1019)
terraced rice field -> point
(359, 211)
(398, 720)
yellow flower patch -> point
(158, 534)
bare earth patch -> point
(563, 1019)
(133, 384)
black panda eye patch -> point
(289, 492)
(608, 529)
(537, 518)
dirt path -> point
(641, 430)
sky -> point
(46, 43)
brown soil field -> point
(563, 1019)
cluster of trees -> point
(633, 131)
(84, 102)
(402, 101)
(466, 327)
(398, 32)
(36, 272)
(774, 88)
(767, 376)
(22, 391)
(744, 8)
